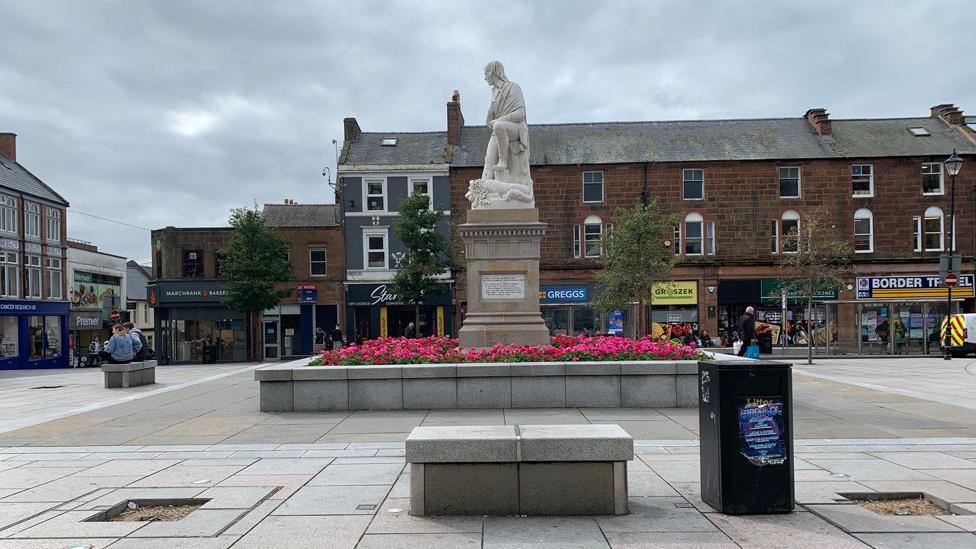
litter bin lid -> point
(721, 364)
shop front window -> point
(52, 336)
(8, 337)
(586, 321)
(35, 330)
(556, 318)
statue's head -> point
(495, 73)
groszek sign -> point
(911, 287)
(681, 292)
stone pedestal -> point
(502, 249)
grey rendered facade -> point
(376, 172)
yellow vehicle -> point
(962, 334)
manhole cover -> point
(365, 507)
(52, 387)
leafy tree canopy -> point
(254, 262)
(426, 250)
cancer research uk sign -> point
(911, 286)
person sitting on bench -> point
(121, 348)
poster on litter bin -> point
(762, 436)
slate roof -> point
(411, 148)
(707, 140)
(301, 215)
(15, 177)
(136, 280)
(890, 137)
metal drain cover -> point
(365, 507)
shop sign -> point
(682, 292)
(912, 286)
(183, 291)
(564, 294)
(380, 294)
(772, 292)
(308, 293)
(33, 307)
(84, 321)
(95, 291)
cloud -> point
(172, 113)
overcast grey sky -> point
(172, 112)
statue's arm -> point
(517, 116)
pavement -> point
(339, 479)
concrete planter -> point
(297, 387)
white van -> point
(962, 336)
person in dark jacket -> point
(139, 344)
(410, 332)
(336, 337)
(747, 329)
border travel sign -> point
(911, 286)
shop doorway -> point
(291, 335)
(271, 339)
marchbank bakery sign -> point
(187, 292)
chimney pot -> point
(820, 120)
(949, 113)
(8, 145)
(455, 119)
(351, 130)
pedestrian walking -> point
(747, 329)
(336, 337)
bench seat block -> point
(467, 444)
(604, 442)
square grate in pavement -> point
(903, 504)
(148, 510)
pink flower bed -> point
(445, 350)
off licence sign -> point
(910, 287)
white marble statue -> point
(505, 182)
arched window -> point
(929, 235)
(863, 231)
(694, 234)
(592, 233)
(791, 232)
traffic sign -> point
(116, 315)
(951, 279)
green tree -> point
(636, 254)
(254, 263)
(815, 258)
(426, 255)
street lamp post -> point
(953, 164)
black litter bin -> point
(765, 341)
(745, 420)
(209, 356)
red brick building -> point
(187, 290)
(738, 186)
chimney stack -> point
(8, 145)
(820, 120)
(949, 113)
(455, 120)
(351, 130)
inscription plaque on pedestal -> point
(503, 286)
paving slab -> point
(420, 541)
(66, 488)
(926, 460)
(334, 500)
(219, 542)
(695, 540)
(857, 519)
(522, 532)
(657, 514)
(71, 525)
(96, 543)
(234, 497)
(328, 532)
(941, 489)
(394, 518)
(916, 540)
(872, 469)
(362, 474)
(190, 475)
(795, 530)
(293, 466)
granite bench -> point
(133, 374)
(519, 470)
